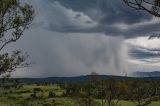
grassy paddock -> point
(22, 97)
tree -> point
(37, 93)
(151, 6)
(112, 92)
(143, 92)
(109, 92)
(15, 18)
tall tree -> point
(15, 18)
(151, 6)
(142, 93)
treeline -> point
(111, 91)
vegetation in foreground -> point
(92, 92)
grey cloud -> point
(141, 53)
(61, 54)
(113, 11)
(67, 37)
(70, 16)
(117, 12)
(142, 30)
(132, 32)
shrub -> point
(64, 94)
(12, 98)
(5, 93)
(10, 91)
(32, 95)
(51, 94)
(53, 101)
(37, 89)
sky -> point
(77, 37)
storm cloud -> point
(77, 37)
(99, 16)
(60, 54)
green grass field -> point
(22, 97)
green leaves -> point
(9, 63)
(15, 18)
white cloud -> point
(143, 42)
(150, 49)
(149, 62)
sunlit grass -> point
(18, 98)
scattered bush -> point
(64, 94)
(37, 89)
(5, 93)
(53, 101)
(28, 98)
(32, 95)
(10, 91)
(51, 94)
(12, 98)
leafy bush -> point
(32, 95)
(64, 94)
(5, 93)
(12, 98)
(51, 94)
(10, 91)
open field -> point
(24, 97)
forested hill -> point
(75, 79)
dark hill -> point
(146, 74)
(75, 79)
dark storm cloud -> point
(68, 37)
(64, 15)
(135, 31)
(68, 54)
(114, 11)
(117, 12)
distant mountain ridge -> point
(64, 79)
(67, 79)
(137, 75)
(78, 78)
(146, 74)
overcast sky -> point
(77, 37)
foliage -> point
(51, 94)
(15, 18)
(143, 93)
(118, 92)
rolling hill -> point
(146, 74)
